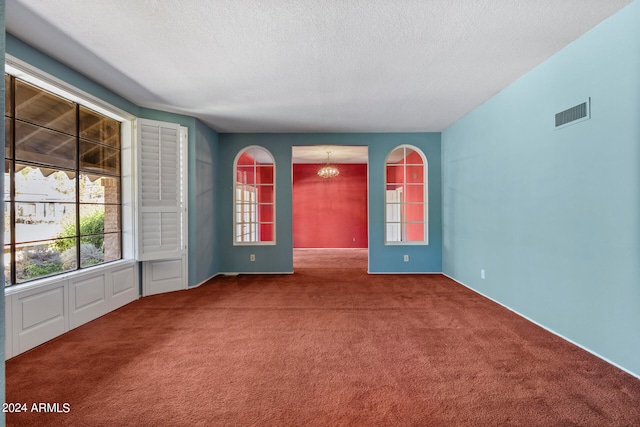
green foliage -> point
(45, 269)
(92, 223)
(36, 262)
(89, 255)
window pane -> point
(393, 196)
(7, 222)
(96, 247)
(45, 109)
(393, 232)
(246, 160)
(414, 212)
(43, 221)
(111, 189)
(92, 221)
(265, 174)
(414, 174)
(245, 175)
(260, 155)
(244, 207)
(99, 128)
(265, 193)
(396, 156)
(7, 265)
(415, 232)
(90, 254)
(414, 193)
(7, 183)
(99, 159)
(393, 212)
(97, 219)
(395, 174)
(45, 259)
(265, 213)
(266, 232)
(39, 184)
(39, 145)
(412, 157)
(112, 247)
(8, 138)
(99, 189)
(112, 218)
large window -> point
(406, 196)
(254, 197)
(62, 209)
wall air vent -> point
(575, 114)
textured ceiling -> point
(306, 66)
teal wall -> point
(553, 216)
(279, 258)
(202, 145)
(204, 263)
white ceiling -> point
(306, 66)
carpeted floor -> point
(353, 259)
(326, 346)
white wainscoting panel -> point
(87, 298)
(124, 286)
(38, 316)
(40, 311)
(8, 326)
(164, 276)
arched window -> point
(254, 197)
(406, 196)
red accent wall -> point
(330, 213)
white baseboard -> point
(404, 272)
(267, 273)
(204, 281)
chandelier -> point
(328, 170)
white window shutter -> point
(159, 216)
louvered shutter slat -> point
(159, 169)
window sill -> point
(45, 281)
(254, 244)
(406, 243)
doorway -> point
(330, 214)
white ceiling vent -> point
(575, 114)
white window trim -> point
(235, 223)
(33, 75)
(425, 182)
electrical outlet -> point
(482, 273)
(252, 257)
(406, 258)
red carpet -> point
(328, 346)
